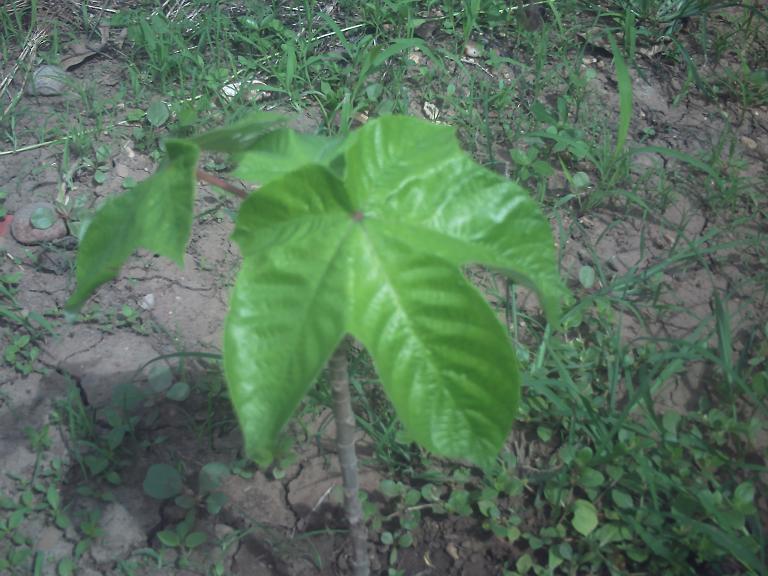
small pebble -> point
(148, 302)
(47, 81)
(749, 142)
(472, 49)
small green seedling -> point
(362, 236)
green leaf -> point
(43, 218)
(412, 497)
(53, 497)
(168, 538)
(66, 567)
(624, 82)
(727, 542)
(215, 501)
(442, 356)
(405, 540)
(587, 276)
(195, 539)
(744, 497)
(543, 169)
(544, 433)
(584, 517)
(521, 157)
(158, 113)
(134, 114)
(96, 464)
(162, 482)
(390, 488)
(670, 421)
(211, 476)
(283, 151)
(115, 437)
(178, 392)
(591, 478)
(622, 499)
(580, 180)
(376, 252)
(160, 377)
(156, 215)
(412, 176)
(524, 563)
(459, 503)
(62, 520)
(286, 301)
(19, 556)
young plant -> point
(363, 236)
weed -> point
(27, 327)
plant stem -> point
(221, 183)
(345, 444)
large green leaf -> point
(286, 315)
(156, 215)
(442, 356)
(377, 253)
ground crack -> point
(298, 523)
(72, 378)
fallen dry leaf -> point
(431, 111)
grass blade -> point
(625, 96)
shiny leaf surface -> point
(376, 251)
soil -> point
(289, 521)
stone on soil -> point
(23, 231)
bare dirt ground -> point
(290, 522)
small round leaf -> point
(584, 517)
(168, 538)
(211, 475)
(587, 276)
(215, 501)
(195, 539)
(580, 180)
(43, 218)
(162, 482)
(158, 113)
(160, 377)
(178, 392)
(622, 499)
(66, 567)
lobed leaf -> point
(413, 176)
(376, 252)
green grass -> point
(601, 476)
